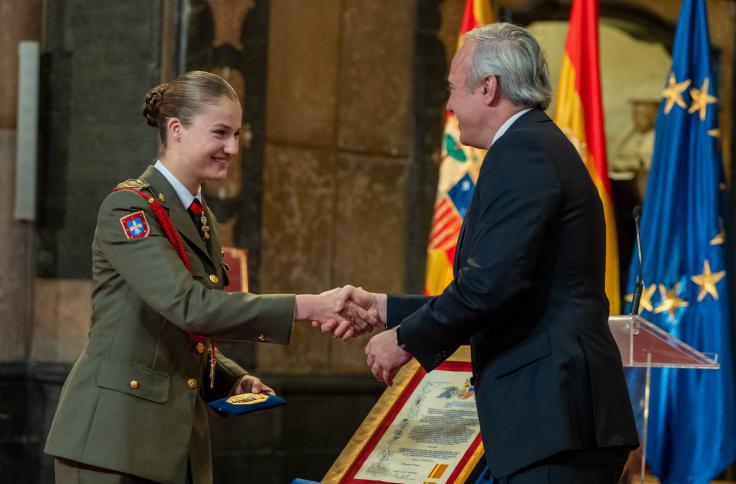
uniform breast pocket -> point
(530, 350)
(134, 380)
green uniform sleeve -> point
(153, 269)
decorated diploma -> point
(430, 436)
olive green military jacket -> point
(133, 401)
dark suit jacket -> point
(529, 294)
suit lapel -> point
(177, 213)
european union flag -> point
(692, 430)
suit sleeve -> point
(519, 195)
(399, 306)
(153, 269)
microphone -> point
(639, 279)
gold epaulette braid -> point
(134, 183)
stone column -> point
(339, 136)
(20, 20)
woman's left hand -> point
(251, 384)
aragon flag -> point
(458, 173)
(692, 413)
(579, 114)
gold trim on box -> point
(378, 413)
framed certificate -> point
(423, 429)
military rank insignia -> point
(135, 225)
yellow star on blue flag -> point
(707, 281)
(701, 99)
(673, 93)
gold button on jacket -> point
(134, 384)
(214, 279)
(199, 348)
(192, 383)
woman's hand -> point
(251, 384)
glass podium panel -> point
(644, 346)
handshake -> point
(344, 312)
(348, 311)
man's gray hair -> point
(510, 53)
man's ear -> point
(490, 89)
(174, 129)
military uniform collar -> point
(164, 192)
(183, 192)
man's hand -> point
(385, 357)
(251, 384)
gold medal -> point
(247, 398)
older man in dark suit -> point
(528, 290)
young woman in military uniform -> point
(133, 407)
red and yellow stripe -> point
(437, 471)
(579, 114)
(477, 12)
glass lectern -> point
(645, 346)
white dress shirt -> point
(185, 195)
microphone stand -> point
(639, 279)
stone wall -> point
(339, 147)
(99, 59)
(20, 20)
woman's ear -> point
(174, 129)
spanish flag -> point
(458, 174)
(579, 114)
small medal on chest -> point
(205, 228)
(213, 363)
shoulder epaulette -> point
(135, 183)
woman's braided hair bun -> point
(152, 103)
